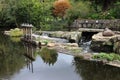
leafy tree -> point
(7, 18)
(105, 4)
(115, 11)
(78, 10)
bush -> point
(16, 32)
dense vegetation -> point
(55, 14)
(10, 52)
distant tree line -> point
(55, 14)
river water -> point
(21, 61)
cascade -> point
(85, 41)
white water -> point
(86, 47)
(45, 36)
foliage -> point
(55, 15)
(102, 15)
(29, 11)
(11, 59)
(78, 10)
(104, 4)
(109, 57)
(16, 32)
(7, 18)
(115, 11)
(49, 56)
(60, 7)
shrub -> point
(16, 32)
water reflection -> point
(14, 66)
(95, 71)
(30, 54)
(49, 56)
(11, 60)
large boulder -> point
(71, 36)
(51, 44)
(74, 37)
(107, 32)
(103, 43)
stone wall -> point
(96, 24)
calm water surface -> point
(20, 61)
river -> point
(47, 64)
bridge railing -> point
(96, 24)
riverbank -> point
(69, 48)
(83, 56)
(74, 50)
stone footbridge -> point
(95, 25)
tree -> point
(78, 10)
(105, 4)
(60, 7)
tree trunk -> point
(105, 5)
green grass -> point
(107, 56)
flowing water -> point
(86, 47)
(21, 61)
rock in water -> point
(51, 44)
(108, 32)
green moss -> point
(106, 56)
(16, 32)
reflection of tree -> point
(11, 59)
(49, 56)
(95, 71)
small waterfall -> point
(86, 46)
(45, 35)
(85, 41)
